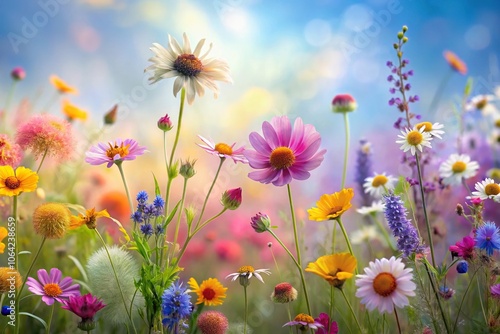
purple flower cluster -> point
(147, 214)
(399, 78)
(363, 169)
(401, 227)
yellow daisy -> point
(72, 112)
(62, 86)
(332, 206)
(335, 268)
(210, 292)
(88, 219)
(12, 183)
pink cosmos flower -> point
(84, 306)
(51, 287)
(223, 150)
(284, 153)
(115, 152)
(464, 248)
(46, 135)
(10, 153)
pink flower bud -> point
(18, 73)
(231, 199)
(165, 124)
(344, 103)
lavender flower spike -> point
(364, 169)
(401, 227)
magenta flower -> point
(324, 319)
(223, 150)
(114, 153)
(51, 287)
(464, 248)
(495, 291)
(284, 153)
(85, 307)
(231, 199)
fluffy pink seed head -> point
(212, 322)
(46, 133)
(10, 153)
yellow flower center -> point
(52, 289)
(379, 180)
(426, 125)
(304, 318)
(482, 103)
(188, 65)
(384, 284)
(458, 167)
(492, 189)
(246, 269)
(114, 150)
(414, 138)
(12, 182)
(224, 149)
(208, 293)
(281, 158)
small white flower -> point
(433, 129)
(193, 72)
(413, 139)
(377, 206)
(487, 189)
(365, 235)
(378, 184)
(483, 104)
(387, 284)
(456, 168)
(246, 272)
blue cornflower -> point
(147, 229)
(402, 228)
(488, 238)
(176, 305)
(462, 267)
(142, 197)
(159, 229)
(159, 202)
(137, 217)
(363, 169)
(149, 210)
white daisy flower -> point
(247, 272)
(494, 173)
(456, 168)
(413, 139)
(377, 206)
(387, 284)
(434, 129)
(483, 104)
(193, 72)
(487, 189)
(378, 184)
(365, 235)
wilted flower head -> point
(231, 199)
(104, 286)
(446, 292)
(85, 307)
(46, 135)
(10, 152)
(260, 222)
(212, 322)
(18, 73)
(114, 153)
(165, 124)
(284, 293)
(343, 103)
(194, 72)
(51, 220)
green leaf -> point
(468, 86)
(24, 252)
(157, 187)
(171, 215)
(35, 317)
(79, 266)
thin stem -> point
(439, 91)
(246, 310)
(297, 246)
(352, 310)
(119, 165)
(276, 263)
(436, 293)
(344, 232)
(177, 225)
(397, 319)
(346, 153)
(41, 161)
(167, 191)
(179, 122)
(334, 237)
(424, 207)
(29, 269)
(50, 317)
(332, 295)
(481, 301)
(385, 234)
(117, 281)
(463, 299)
(210, 191)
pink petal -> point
(259, 143)
(270, 135)
(283, 129)
(43, 277)
(298, 133)
(48, 300)
(264, 176)
(55, 275)
(298, 173)
(284, 177)
(257, 160)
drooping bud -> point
(284, 293)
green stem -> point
(463, 299)
(436, 293)
(346, 153)
(385, 234)
(334, 237)
(424, 207)
(50, 317)
(332, 295)
(120, 168)
(298, 267)
(117, 281)
(179, 122)
(439, 91)
(397, 319)
(246, 310)
(344, 232)
(209, 192)
(179, 214)
(481, 301)
(29, 269)
(41, 161)
(16, 264)
(297, 246)
(352, 311)
(167, 191)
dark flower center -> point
(12, 182)
(384, 284)
(208, 293)
(188, 65)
